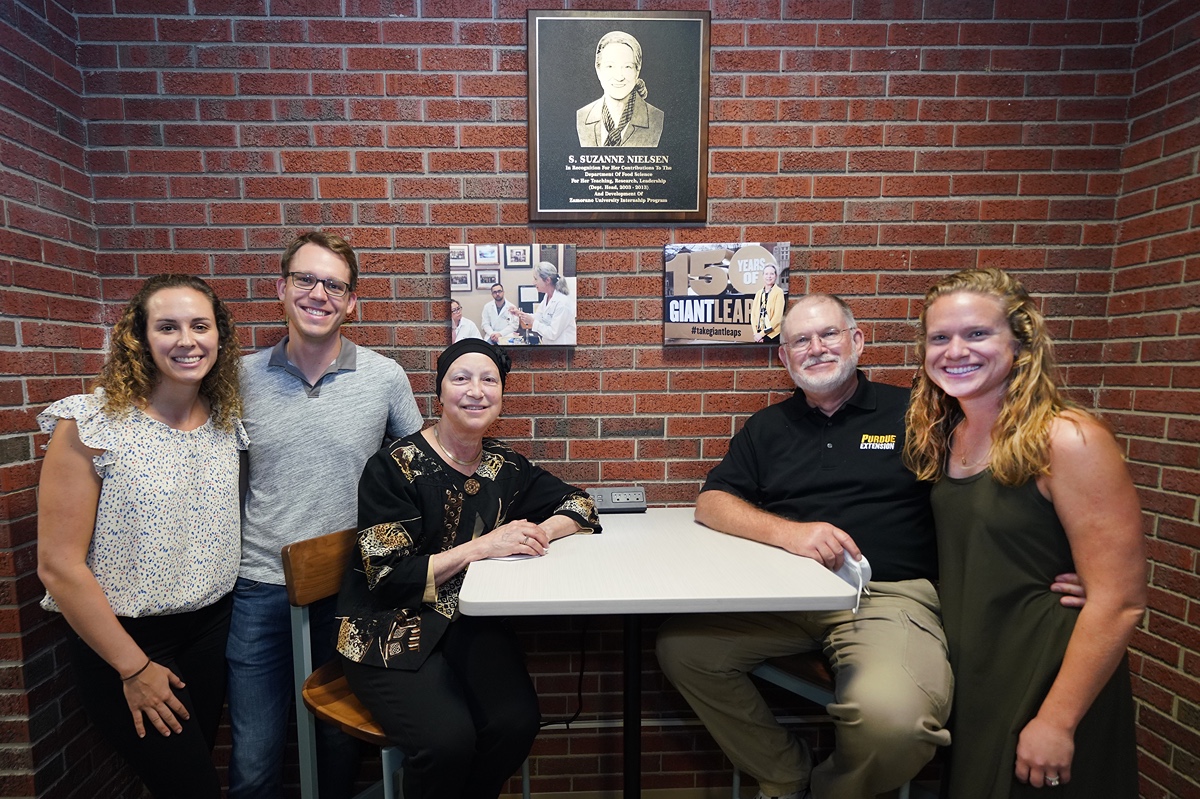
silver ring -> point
(525, 540)
(1052, 781)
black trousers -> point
(465, 720)
(192, 644)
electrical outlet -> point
(623, 499)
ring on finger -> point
(525, 540)
(1052, 780)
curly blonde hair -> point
(130, 375)
(1021, 435)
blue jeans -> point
(262, 694)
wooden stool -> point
(313, 570)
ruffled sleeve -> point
(96, 428)
(241, 437)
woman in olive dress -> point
(1027, 486)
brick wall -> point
(888, 141)
(50, 339)
(1150, 378)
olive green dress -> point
(999, 550)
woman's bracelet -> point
(136, 673)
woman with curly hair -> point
(138, 531)
(1027, 486)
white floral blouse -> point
(167, 537)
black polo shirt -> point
(794, 461)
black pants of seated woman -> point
(465, 720)
(192, 644)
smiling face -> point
(313, 315)
(617, 70)
(969, 346)
(182, 335)
(769, 276)
(821, 368)
(471, 395)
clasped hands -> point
(519, 537)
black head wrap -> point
(462, 347)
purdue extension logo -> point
(877, 442)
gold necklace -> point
(451, 457)
(962, 458)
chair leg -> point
(903, 791)
(525, 779)
(306, 725)
(737, 783)
(393, 763)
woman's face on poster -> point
(617, 71)
(769, 276)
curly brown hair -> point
(1021, 435)
(130, 375)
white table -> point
(659, 561)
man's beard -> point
(824, 382)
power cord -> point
(579, 683)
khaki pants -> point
(891, 700)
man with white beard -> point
(820, 475)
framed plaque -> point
(618, 116)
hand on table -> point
(518, 537)
(822, 542)
(150, 693)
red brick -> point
(321, 161)
(194, 30)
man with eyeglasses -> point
(820, 475)
(499, 317)
(317, 406)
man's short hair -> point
(842, 305)
(328, 241)
(496, 286)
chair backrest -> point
(313, 568)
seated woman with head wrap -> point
(451, 691)
(621, 117)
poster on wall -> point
(618, 116)
(530, 301)
(724, 293)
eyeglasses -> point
(306, 282)
(497, 291)
(828, 338)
